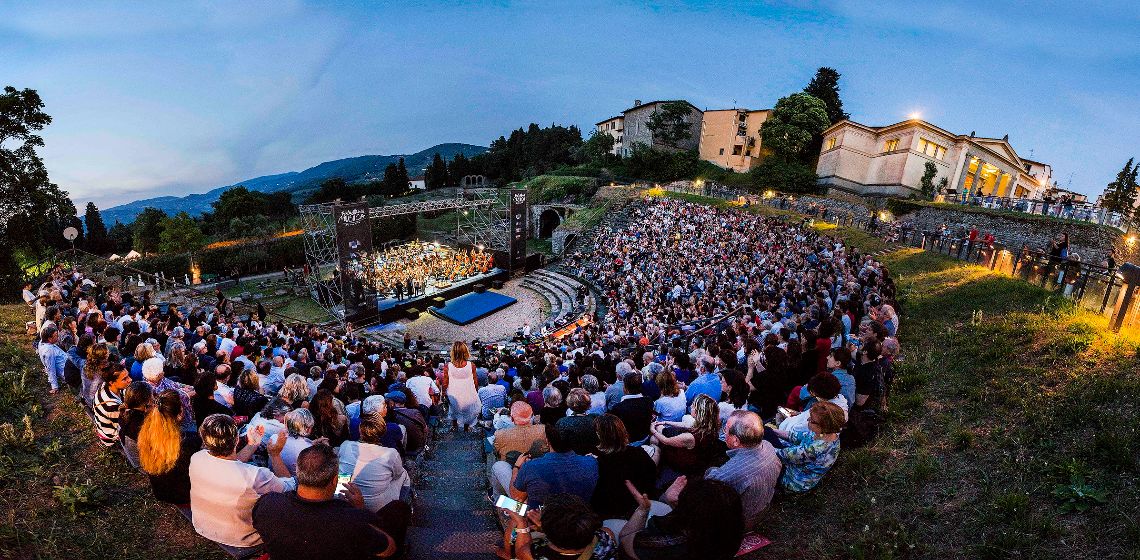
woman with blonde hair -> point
(165, 450)
(295, 391)
(459, 387)
(98, 360)
(689, 450)
(143, 352)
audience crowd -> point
(735, 355)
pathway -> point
(452, 517)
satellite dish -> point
(70, 233)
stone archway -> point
(547, 222)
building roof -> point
(609, 119)
(989, 144)
(737, 110)
(416, 178)
(662, 101)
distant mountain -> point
(300, 183)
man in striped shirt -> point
(753, 468)
(107, 402)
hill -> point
(360, 168)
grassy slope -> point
(61, 459)
(990, 414)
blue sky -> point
(170, 98)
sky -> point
(155, 98)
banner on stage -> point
(518, 228)
(353, 237)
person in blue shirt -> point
(52, 357)
(559, 471)
(707, 383)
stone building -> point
(614, 127)
(890, 161)
(730, 138)
(635, 126)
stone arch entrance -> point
(547, 221)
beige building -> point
(614, 126)
(730, 138)
(890, 160)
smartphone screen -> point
(341, 479)
(507, 503)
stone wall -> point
(1092, 243)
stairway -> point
(452, 518)
(560, 290)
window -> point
(931, 149)
(722, 151)
(737, 150)
(891, 145)
(830, 143)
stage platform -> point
(471, 307)
(391, 309)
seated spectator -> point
(298, 426)
(165, 450)
(810, 454)
(753, 469)
(248, 399)
(707, 383)
(109, 402)
(837, 363)
(560, 470)
(394, 435)
(569, 531)
(578, 427)
(691, 450)
(295, 391)
(271, 419)
(822, 387)
(671, 405)
(492, 395)
(203, 401)
(619, 462)
(224, 488)
(138, 398)
(635, 411)
(707, 522)
(597, 396)
(553, 408)
(524, 437)
(376, 470)
(735, 395)
(154, 373)
(328, 421)
(408, 416)
(310, 522)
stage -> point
(390, 309)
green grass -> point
(61, 494)
(1009, 404)
(556, 188)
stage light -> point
(480, 247)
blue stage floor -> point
(471, 307)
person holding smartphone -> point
(570, 531)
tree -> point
(180, 234)
(402, 174)
(1120, 195)
(119, 238)
(790, 126)
(334, 188)
(825, 87)
(33, 210)
(528, 152)
(147, 229)
(458, 168)
(392, 185)
(668, 124)
(97, 240)
(435, 176)
(926, 184)
(596, 150)
(784, 175)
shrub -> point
(80, 498)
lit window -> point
(931, 149)
(830, 143)
(722, 151)
(737, 149)
(891, 145)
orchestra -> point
(419, 268)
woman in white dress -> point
(459, 386)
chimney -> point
(971, 134)
(637, 103)
(1006, 138)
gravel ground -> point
(500, 325)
